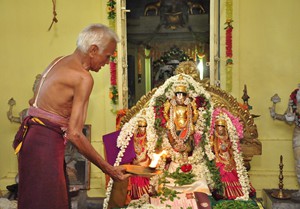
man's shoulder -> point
(82, 77)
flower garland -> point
(228, 43)
(113, 90)
(127, 131)
(113, 94)
(197, 159)
(235, 131)
(167, 92)
(202, 158)
(111, 10)
(124, 137)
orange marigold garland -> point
(228, 43)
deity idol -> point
(139, 185)
(226, 158)
(181, 115)
(140, 144)
(123, 192)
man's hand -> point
(118, 173)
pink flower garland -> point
(235, 121)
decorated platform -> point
(184, 145)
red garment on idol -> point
(227, 167)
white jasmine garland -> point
(241, 170)
(238, 158)
(197, 160)
(124, 137)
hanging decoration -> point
(228, 43)
(113, 93)
(54, 19)
(113, 90)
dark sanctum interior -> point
(171, 31)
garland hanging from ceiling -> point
(228, 43)
(113, 90)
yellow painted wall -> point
(266, 58)
(26, 49)
(265, 48)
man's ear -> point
(93, 50)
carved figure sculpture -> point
(195, 6)
(23, 113)
(173, 13)
(10, 115)
(163, 74)
(291, 116)
(153, 6)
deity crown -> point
(142, 122)
(220, 120)
(180, 85)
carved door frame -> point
(122, 68)
(214, 39)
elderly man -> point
(57, 113)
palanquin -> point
(218, 100)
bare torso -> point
(65, 92)
(56, 94)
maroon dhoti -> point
(42, 176)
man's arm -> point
(82, 92)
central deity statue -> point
(181, 115)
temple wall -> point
(27, 47)
(265, 48)
(265, 56)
